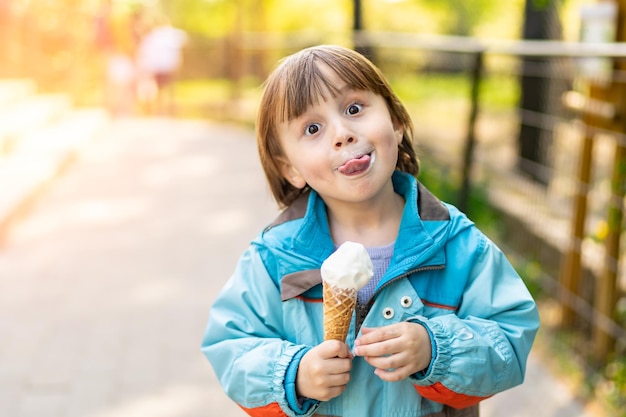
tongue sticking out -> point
(355, 165)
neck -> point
(372, 223)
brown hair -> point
(298, 83)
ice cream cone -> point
(344, 272)
(339, 305)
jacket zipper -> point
(363, 309)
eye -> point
(312, 129)
(354, 109)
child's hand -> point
(396, 351)
(324, 371)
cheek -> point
(307, 164)
(314, 170)
(393, 139)
(311, 171)
(392, 147)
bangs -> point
(299, 83)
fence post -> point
(570, 270)
(597, 111)
(605, 300)
(470, 142)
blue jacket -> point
(444, 274)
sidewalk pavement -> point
(106, 282)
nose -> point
(344, 136)
(344, 141)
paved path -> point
(106, 284)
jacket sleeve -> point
(481, 349)
(244, 345)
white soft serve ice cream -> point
(348, 267)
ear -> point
(290, 173)
(398, 130)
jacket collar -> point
(427, 206)
(421, 235)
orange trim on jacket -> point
(439, 393)
(270, 410)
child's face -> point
(345, 148)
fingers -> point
(323, 380)
(379, 341)
(396, 351)
(388, 340)
(328, 393)
(388, 364)
(334, 349)
(324, 371)
(330, 357)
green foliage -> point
(540, 4)
(615, 385)
(203, 91)
(222, 17)
(301, 15)
(201, 17)
(496, 92)
(439, 180)
(531, 272)
(460, 17)
(445, 184)
(419, 87)
(499, 92)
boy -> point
(444, 322)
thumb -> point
(336, 349)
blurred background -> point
(519, 108)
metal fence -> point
(553, 164)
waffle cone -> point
(339, 305)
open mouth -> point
(356, 165)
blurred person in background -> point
(159, 57)
(118, 30)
